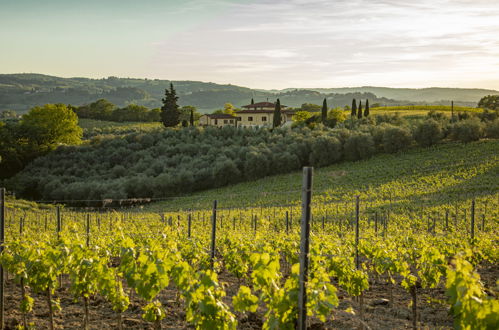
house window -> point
(231, 121)
(225, 121)
(216, 121)
(264, 118)
(250, 118)
(238, 118)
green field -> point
(455, 170)
(88, 124)
(425, 108)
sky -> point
(268, 44)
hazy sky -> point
(258, 43)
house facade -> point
(261, 115)
(218, 120)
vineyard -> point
(418, 250)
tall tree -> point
(354, 108)
(252, 102)
(191, 119)
(324, 111)
(359, 111)
(169, 111)
(366, 111)
(277, 114)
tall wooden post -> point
(304, 247)
(213, 234)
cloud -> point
(271, 44)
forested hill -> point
(20, 92)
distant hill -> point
(431, 94)
(20, 92)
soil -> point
(433, 312)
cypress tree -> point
(277, 114)
(252, 102)
(359, 112)
(324, 111)
(169, 111)
(354, 108)
(191, 119)
(366, 111)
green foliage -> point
(472, 308)
(489, 102)
(467, 130)
(301, 116)
(396, 139)
(310, 107)
(359, 110)
(105, 110)
(354, 108)
(41, 130)
(492, 129)
(51, 125)
(359, 146)
(428, 132)
(170, 115)
(325, 150)
(335, 116)
(366, 111)
(324, 112)
(277, 119)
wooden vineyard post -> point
(234, 223)
(213, 234)
(472, 221)
(304, 247)
(483, 216)
(189, 220)
(287, 223)
(21, 225)
(446, 219)
(254, 224)
(376, 222)
(88, 230)
(58, 218)
(357, 232)
(2, 239)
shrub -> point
(326, 150)
(467, 130)
(492, 129)
(440, 116)
(428, 133)
(396, 138)
(395, 119)
(359, 146)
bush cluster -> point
(169, 162)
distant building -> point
(261, 115)
(218, 119)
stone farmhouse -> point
(253, 115)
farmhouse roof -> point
(263, 111)
(261, 105)
(220, 116)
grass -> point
(450, 171)
(425, 108)
(87, 124)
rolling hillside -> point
(20, 92)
